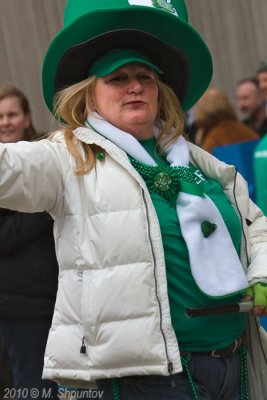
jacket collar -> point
(211, 166)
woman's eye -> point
(145, 77)
(117, 78)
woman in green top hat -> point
(146, 225)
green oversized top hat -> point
(158, 28)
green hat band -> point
(117, 58)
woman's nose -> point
(135, 86)
(4, 120)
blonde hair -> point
(74, 103)
(212, 107)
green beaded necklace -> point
(167, 181)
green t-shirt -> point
(196, 333)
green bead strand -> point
(115, 388)
(243, 373)
(185, 362)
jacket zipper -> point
(130, 169)
(83, 347)
(170, 364)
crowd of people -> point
(215, 106)
(117, 224)
(216, 121)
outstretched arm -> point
(30, 175)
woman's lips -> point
(135, 103)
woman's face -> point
(13, 121)
(128, 99)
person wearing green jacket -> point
(260, 165)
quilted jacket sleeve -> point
(30, 176)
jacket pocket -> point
(87, 306)
(116, 294)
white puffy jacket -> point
(112, 297)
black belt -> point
(225, 352)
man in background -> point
(250, 104)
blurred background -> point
(235, 31)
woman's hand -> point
(257, 293)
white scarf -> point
(214, 262)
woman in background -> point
(217, 122)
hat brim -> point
(172, 44)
